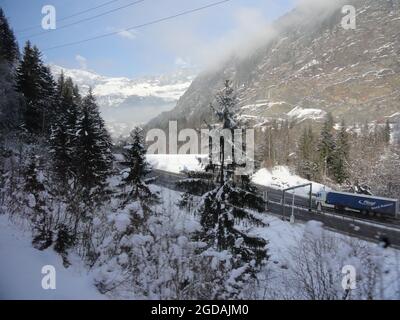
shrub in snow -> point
(156, 260)
(318, 259)
(64, 241)
(39, 212)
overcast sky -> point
(195, 39)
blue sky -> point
(194, 39)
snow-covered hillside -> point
(21, 270)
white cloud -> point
(82, 61)
(127, 34)
(250, 29)
(250, 32)
(182, 62)
(131, 35)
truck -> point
(364, 204)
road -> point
(349, 224)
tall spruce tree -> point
(134, 182)
(63, 132)
(268, 146)
(307, 160)
(326, 146)
(35, 82)
(10, 104)
(48, 89)
(222, 208)
(387, 132)
(8, 45)
(341, 155)
(93, 147)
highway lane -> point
(345, 224)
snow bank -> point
(281, 178)
(175, 162)
(309, 113)
(21, 266)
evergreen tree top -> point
(8, 44)
(226, 100)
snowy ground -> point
(280, 177)
(21, 266)
(175, 163)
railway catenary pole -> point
(294, 188)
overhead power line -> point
(138, 26)
(84, 20)
(69, 17)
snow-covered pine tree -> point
(134, 183)
(93, 149)
(81, 163)
(194, 185)
(133, 249)
(225, 211)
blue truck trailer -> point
(358, 202)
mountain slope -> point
(312, 66)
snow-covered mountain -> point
(120, 99)
(310, 66)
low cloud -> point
(82, 61)
(251, 31)
(182, 62)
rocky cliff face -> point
(310, 67)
